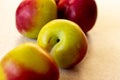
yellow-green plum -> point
(28, 62)
(65, 41)
(32, 15)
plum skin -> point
(83, 12)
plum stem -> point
(52, 41)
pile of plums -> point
(59, 27)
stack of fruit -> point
(59, 27)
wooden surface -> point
(102, 61)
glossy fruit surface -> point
(65, 41)
(82, 12)
(32, 15)
(28, 62)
